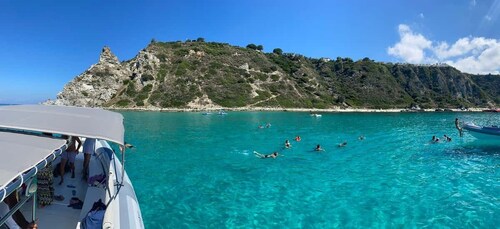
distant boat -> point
(483, 132)
(206, 113)
(316, 115)
(222, 112)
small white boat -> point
(32, 142)
(483, 132)
(222, 112)
(316, 115)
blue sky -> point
(45, 44)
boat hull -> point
(483, 133)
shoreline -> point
(310, 110)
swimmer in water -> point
(318, 148)
(287, 144)
(297, 139)
(343, 144)
(264, 156)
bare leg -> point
(86, 162)
(72, 166)
(61, 169)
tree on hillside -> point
(252, 46)
(260, 47)
(278, 51)
(200, 39)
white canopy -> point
(20, 153)
(71, 121)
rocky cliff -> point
(207, 75)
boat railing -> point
(21, 179)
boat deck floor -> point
(58, 214)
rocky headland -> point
(198, 75)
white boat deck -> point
(58, 214)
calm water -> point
(191, 170)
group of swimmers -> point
(268, 125)
(436, 139)
(276, 154)
(447, 138)
(288, 145)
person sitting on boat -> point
(16, 220)
(318, 148)
(342, 144)
(69, 156)
(459, 128)
(287, 144)
(297, 139)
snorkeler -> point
(264, 156)
(361, 137)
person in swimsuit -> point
(273, 155)
(69, 156)
(343, 144)
(287, 144)
(318, 148)
(264, 156)
(457, 125)
(297, 139)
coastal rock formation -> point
(197, 74)
(97, 85)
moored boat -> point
(483, 132)
(33, 138)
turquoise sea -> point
(196, 171)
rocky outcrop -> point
(97, 85)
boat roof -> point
(21, 152)
(72, 121)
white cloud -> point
(468, 54)
(421, 15)
(411, 46)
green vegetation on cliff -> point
(230, 76)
